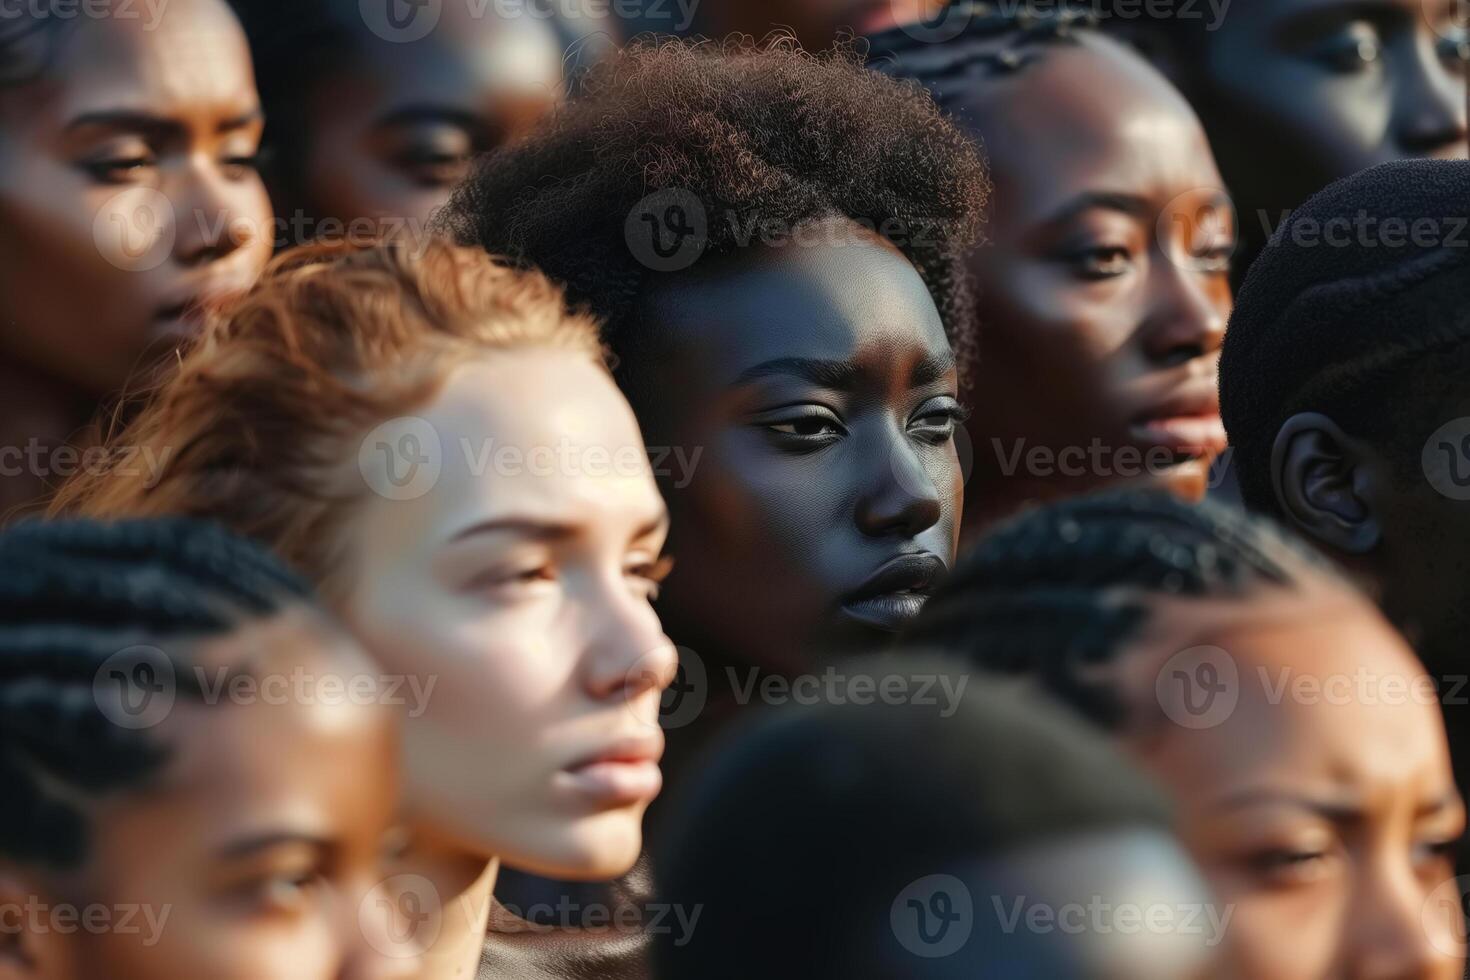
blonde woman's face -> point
(504, 566)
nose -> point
(902, 497)
(1388, 930)
(628, 654)
(214, 216)
(1429, 104)
(375, 945)
(1188, 314)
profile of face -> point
(511, 586)
(1299, 93)
(391, 129)
(128, 189)
(1103, 282)
(274, 810)
(808, 397)
(1321, 806)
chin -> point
(1188, 481)
(595, 848)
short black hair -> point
(1352, 312)
(73, 595)
(30, 39)
(808, 823)
(1056, 593)
(755, 133)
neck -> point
(38, 415)
(462, 884)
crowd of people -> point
(699, 489)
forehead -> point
(1085, 116)
(837, 298)
(190, 53)
(1327, 694)
(1252, 14)
(471, 54)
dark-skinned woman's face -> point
(1103, 281)
(816, 384)
(391, 132)
(128, 191)
(1299, 93)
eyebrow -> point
(1332, 14)
(841, 375)
(1130, 204)
(544, 530)
(1335, 810)
(410, 114)
(264, 842)
(132, 119)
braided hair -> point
(759, 135)
(73, 596)
(1055, 594)
(970, 40)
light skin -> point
(1323, 807)
(128, 196)
(521, 586)
(819, 386)
(274, 817)
(1103, 282)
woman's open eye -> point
(1103, 262)
(1435, 854)
(936, 421)
(1355, 49)
(648, 577)
(121, 169)
(806, 427)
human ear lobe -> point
(1321, 483)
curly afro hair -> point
(759, 135)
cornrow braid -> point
(73, 595)
(1054, 594)
(992, 39)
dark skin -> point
(392, 127)
(815, 23)
(819, 384)
(128, 197)
(1323, 89)
(1103, 281)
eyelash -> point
(121, 170)
(654, 574)
(951, 415)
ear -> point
(1324, 484)
(25, 949)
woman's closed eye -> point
(647, 577)
(1100, 262)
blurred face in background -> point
(128, 189)
(1308, 758)
(255, 851)
(381, 132)
(1298, 93)
(1103, 282)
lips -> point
(621, 773)
(1185, 423)
(183, 311)
(895, 594)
